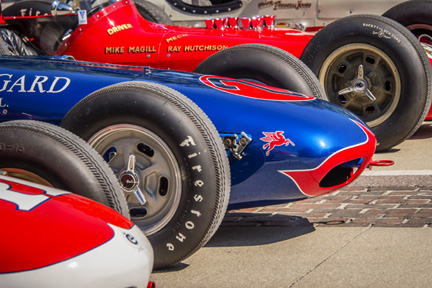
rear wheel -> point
(152, 13)
(28, 8)
(169, 158)
(416, 16)
(375, 68)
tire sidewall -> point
(29, 148)
(198, 195)
(31, 8)
(264, 64)
(399, 47)
(152, 13)
(411, 12)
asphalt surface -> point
(374, 233)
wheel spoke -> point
(139, 195)
(131, 164)
(360, 72)
(115, 160)
(370, 95)
(346, 91)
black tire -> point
(187, 189)
(28, 8)
(4, 50)
(13, 43)
(50, 155)
(415, 15)
(152, 13)
(377, 55)
(263, 63)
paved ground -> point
(374, 233)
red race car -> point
(370, 65)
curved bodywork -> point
(118, 34)
(52, 238)
(299, 146)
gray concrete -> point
(414, 154)
(305, 257)
(412, 163)
(322, 256)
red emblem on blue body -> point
(252, 90)
(274, 139)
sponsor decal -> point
(252, 90)
(284, 5)
(174, 49)
(141, 49)
(32, 84)
(168, 40)
(130, 50)
(196, 48)
(381, 33)
(131, 239)
(274, 139)
(82, 17)
(204, 48)
(114, 50)
(30, 12)
(119, 28)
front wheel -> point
(169, 158)
(50, 155)
(375, 68)
(265, 64)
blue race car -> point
(185, 145)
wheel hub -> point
(362, 79)
(128, 181)
(359, 86)
(147, 172)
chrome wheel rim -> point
(420, 31)
(147, 171)
(364, 80)
(26, 175)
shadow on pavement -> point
(253, 229)
(424, 131)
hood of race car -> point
(299, 144)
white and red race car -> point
(53, 238)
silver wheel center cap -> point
(128, 181)
(360, 86)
